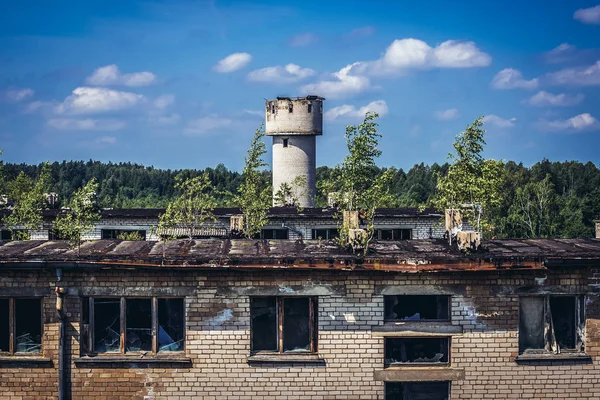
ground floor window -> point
(129, 325)
(418, 350)
(20, 325)
(274, 234)
(417, 390)
(124, 234)
(393, 234)
(283, 324)
(325, 234)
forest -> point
(548, 199)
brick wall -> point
(350, 305)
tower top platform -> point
(289, 116)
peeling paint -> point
(540, 281)
(285, 289)
(222, 317)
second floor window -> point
(417, 308)
(283, 324)
(20, 325)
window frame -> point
(116, 232)
(313, 307)
(331, 233)
(549, 336)
(448, 350)
(87, 330)
(263, 230)
(12, 325)
(395, 233)
(386, 388)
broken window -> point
(283, 324)
(309, 108)
(20, 325)
(417, 390)
(120, 325)
(274, 233)
(551, 324)
(285, 142)
(393, 234)
(416, 307)
(420, 350)
(325, 234)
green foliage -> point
(133, 235)
(289, 193)
(356, 184)
(29, 201)
(78, 220)
(254, 194)
(472, 184)
(193, 208)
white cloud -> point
(17, 95)
(343, 85)
(543, 98)
(281, 74)
(87, 100)
(303, 39)
(446, 115)
(110, 75)
(88, 124)
(170, 119)
(404, 55)
(510, 78)
(233, 62)
(582, 76)
(351, 112)
(588, 15)
(499, 121)
(106, 140)
(560, 53)
(164, 101)
(577, 123)
(206, 125)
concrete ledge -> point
(25, 362)
(414, 328)
(287, 358)
(132, 360)
(534, 357)
(419, 374)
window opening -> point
(4, 325)
(20, 325)
(325, 234)
(416, 307)
(285, 142)
(417, 390)
(291, 107)
(422, 350)
(275, 234)
(309, 108)
(139, 325)
(171, 324)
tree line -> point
(547, 199)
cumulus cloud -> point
(588, 15)
(499, 122)
(343, 84)
(88, 124)
(446, 115)
(351, 112)
(281, 74)
(110, 75)
(303, 39)
(233, 62)
(543, 99)
(404, 55)
(510, 78)
(577, 123)
(581, 76)
(88, 100)
(164, 101)
(207, 125)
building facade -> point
(241, 319)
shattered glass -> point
(416, 307)
(296, 324)
(107, 325)
(416, 350)
(28, 325)
(171, 325)
(263, 311)
(138, 332)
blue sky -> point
(181, 84)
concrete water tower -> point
(294, 124)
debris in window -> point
(296, 324)
(563, 320)
(416, 350)
(4, 325)
(416, 307)
(28, 325)
(417, 390)
(107, 326)
(138, 332)
(263, 311)
(171, 327)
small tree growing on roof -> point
(81, 214)
(192, 209)
(254, 194)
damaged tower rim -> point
(294, 123)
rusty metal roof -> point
(430, 255)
